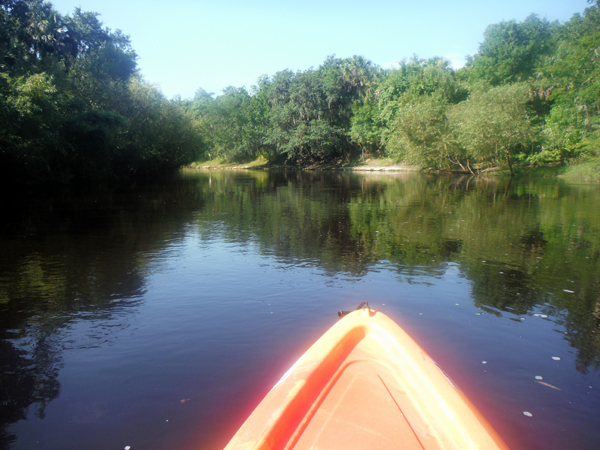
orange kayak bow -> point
(365, 384)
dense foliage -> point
(73, 109)
(298, 116)
(530, 95)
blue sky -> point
(185, 45)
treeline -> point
(73, 108)
(530, 95)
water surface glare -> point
(158, 318)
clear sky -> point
(187, 44)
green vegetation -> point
(74, 110)
(529, 97)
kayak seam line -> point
(401, 412)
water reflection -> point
(66, 260)
(27, 378)
(522, 245)
(524, 248)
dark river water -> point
(157, 318)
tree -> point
(425, 88)
(572, 80)
(360, 74)
(160, 135)
(512, 50)
(421, 134)
(493, 124)
(365, 127)
(310, 112)
(73, 109)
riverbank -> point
(368, 165)
(586, 171)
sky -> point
(184, 45)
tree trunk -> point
(470, 170)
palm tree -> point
(360, 74)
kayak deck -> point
(366, 405)
(365, 385)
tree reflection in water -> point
(525, 247)
(67, 260)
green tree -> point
(72, 106)
(421, 134)
(310, 112)
(572, 78)
(361, 74)
(30, 134)
(512, 50)
(160, 135)
(493, 125)
(412, 111)
(365, 127)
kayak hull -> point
(365, 384)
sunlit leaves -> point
(420, 132)
(574, 75)
(493, 124)
(511, 50)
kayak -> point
(365, 384)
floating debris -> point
(568, 291)
(527, 413)
(543, 316)
(522, 318)
(538, 377)
(456, 304)
(483, 362)
(556, 358)
(127, 447)
(184, 400)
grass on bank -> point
(586, 170)
(582, 170)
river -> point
(158, 317)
